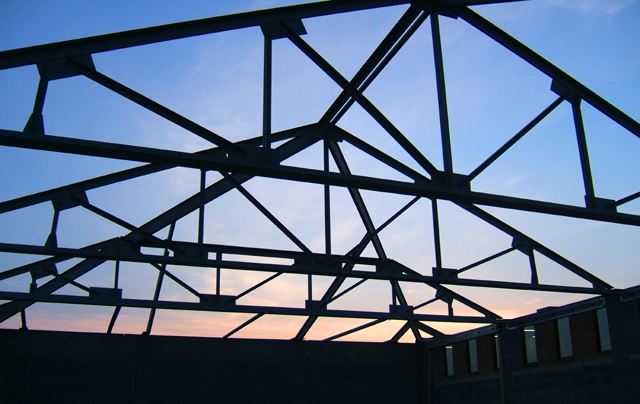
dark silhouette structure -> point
(486, 365)
(493, 363)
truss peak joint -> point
(213, 302)
(62, 68)
(108, 296)
(601, 205)
(278, 30)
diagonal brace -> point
(157, 108)
(365, 103)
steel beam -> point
(549, 69)
(402, 275)
(146, 36)
(253, 168)
(225, 307)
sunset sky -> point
(216, 81)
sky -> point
(216, 80)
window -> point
(473, 356)
(531, 353)
(603, 329)
(564, 337)
(448, 351)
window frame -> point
(448, 361)
(472, 356)
(530, 345)
(602, 326)
(563, 338)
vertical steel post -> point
(35, 124)
(436, 233)
(442, 95)
(534, 269)
(327, 205)
(156, 293)
(584, 153)
(203, 178)
(116, 275)
(266, 96)
(23, 320)
(52, 239)
(501, 364)
(218, 258)
(116, 311)
(112, 322)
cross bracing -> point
(327, 272)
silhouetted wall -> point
(55, 367)
(589, 375)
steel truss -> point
(240, 162)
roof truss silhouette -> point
(264, 156)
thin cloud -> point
(609, 7)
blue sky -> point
(216, 81)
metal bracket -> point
(388, 267)
(42, 271)
(522, 246)
(401, 311)
(601, 204)
(442, 8)
(315, 306)
(630, 294)
(62, 68)
(552, 313)
(453, 181)
(463, 336)
(565, 92)
(217, 301)
(52, 241)
(445, 297)
(69, 201)
(105, 295)
(445, 274)
(276, 31)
